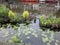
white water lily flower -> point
(36, 35)
(40, 29)
(19, 34)
(45, 39)
(28, 37)
(33, 34)
(26, 33)
(48, 31)
(10, 41)
(23, 32)
(56, 44)
(43, 32)
(50, 41)
(12, 33)
(21, 40)
(2, 29)
(51, 38)
(57, 41)
(29, 31)
(6, 33)
(19, 31)
(48, 44)
(44, 35)
(34, 31)
(27, 44)
(52, 33)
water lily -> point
(29, 31)
(57, 41)
(28, 37)
(26, 33)
(44, 35)
(48, 44)
(36, 35)
(15, 39)
(50, 41)
(45, 39)
(56, 44)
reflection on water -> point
(30, 34)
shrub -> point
(25, 15)
(49, 21)
(4, 11)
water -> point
(31, 34)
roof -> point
(30, 1)
(51, 1)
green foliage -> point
(4, 11)
(5, 14)
(15, 39)
(43, 19)
(25, 15)
(15, 18)
(51, 20)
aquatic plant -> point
(16, 40)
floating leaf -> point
(44, 35)
(50, 41)
(29, 31)
(48, 44)
(36, 35)
(12, 33)
(33, 34)
(28, 37)
(6, 34)
(43, 32)
(57, 41)
(15, 39)
(10, 41)
(26, 33)
(45, 39)
(40, 29)
(56, 44)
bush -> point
(6, 14)
(4, 11)
(49, 21)
(25, 15)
